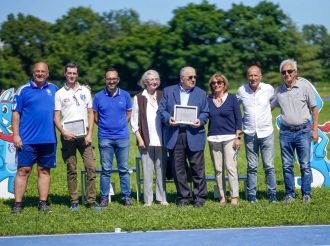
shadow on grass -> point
(210, 196)
(32, 201)
(64, 200)
(264, 195)
(261, 195)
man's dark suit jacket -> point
(195, 136)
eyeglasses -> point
(191, 77)
(153, 79)
(111, 79)
(290, 71)
(217, 82)
(76, 100)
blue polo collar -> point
(36, 87)
(107, 93)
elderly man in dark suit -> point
(186, 140)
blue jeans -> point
(301, 142)
(119, 147)
(266, 146)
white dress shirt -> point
(154, 122)
(256, 106)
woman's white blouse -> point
(154, 122)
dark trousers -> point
(178, 161)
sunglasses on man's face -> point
(290, 71)
(191, 77)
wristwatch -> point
(238, 137)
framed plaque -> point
(185, 114)
(77, 127)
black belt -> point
(295, 128)
(182, 129)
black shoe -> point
(182, 204)
(198, 204)
(128, 202)
(17, 209)
(104, 203)
(42, 207)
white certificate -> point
(77, 127)
(185, 114)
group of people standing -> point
(184, 142)
(39, 105)
(159, 134)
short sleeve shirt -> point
(112, 123)
(36, 107)
(295, 104)
(73, 104)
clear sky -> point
(301, 11)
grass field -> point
(157, 217)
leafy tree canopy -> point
(199, 35)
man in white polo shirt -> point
(258, 131)
(74, 102)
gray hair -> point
(145, 75)
(293, 62)
(184, 69)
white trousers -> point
(154, 158)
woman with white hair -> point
(147, 127)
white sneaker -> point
(148, 204)
(165, 203)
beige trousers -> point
(222, 155)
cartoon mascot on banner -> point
(7, 149)
(320, 165)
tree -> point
(116, 38)
(263, 35)
(309, 65)
(317, 37)
(11, 72)
(199, 35)
(25, 38)
(195, 38)
(72, 41)
(93, 42)
(133, 54)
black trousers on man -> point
(178, 161)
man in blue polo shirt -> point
(34, 135)
(112, 111)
